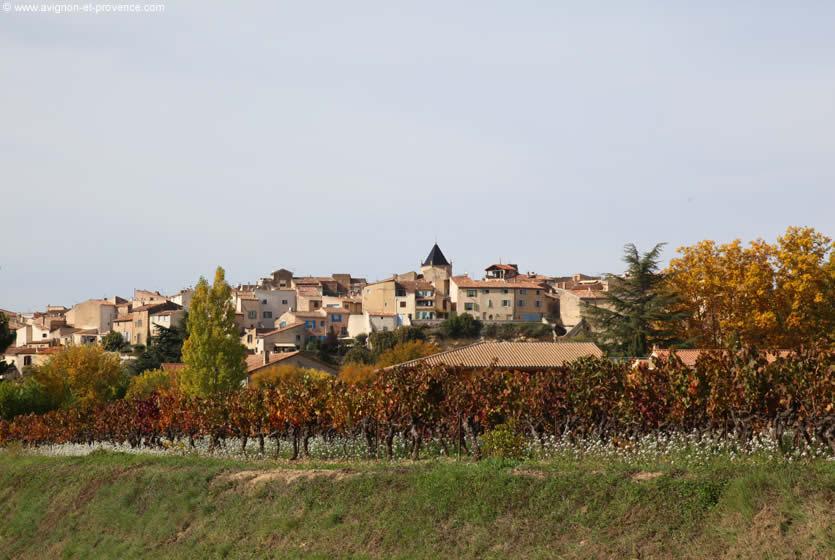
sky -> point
(143, 150)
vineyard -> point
(738, 396)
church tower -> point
(437, 270)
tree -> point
(6, 336)
(636, 311)
(358, 354)
(113, 342)
(148, 383)
(22, 396)
(213, 353)
(82, 375)
(461, 326)
(164, 346)
(773, 295)
(406, 351)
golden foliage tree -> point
(777, 295)
(406, 351)
(149, 382)
(82, 375)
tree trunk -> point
(470, 430)
(417, 439)
(389, 444)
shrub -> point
(461, 326)
(503, 442)
(148, 383)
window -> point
(471, 293)
(310, 324)
(43, 335)
(505, 303)
(282, 324)
(138, 322)
(317, 304)
(538, 304)
(522, 291)
(249, 339)
(343, 331)
(27, 360)
(284, 302)
(490, 303)
(252, 314)
(485, 290)
(537, 292)
(336, 318)
(469, 306)
(402, 304)
(263, 302)
(321, 323)
(521, 303)
(505, 291)
(268, 314)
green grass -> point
(128, 506)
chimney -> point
(266, 357)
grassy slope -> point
(120, 506)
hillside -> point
(110, 505)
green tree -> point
(213, 353)
(23, 396)
(6, 336)
(113, 342)
(636, 312)
(461, 326)
(164, 346)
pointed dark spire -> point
(436, 257)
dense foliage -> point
(636, 313)
(777, 295)
(213, 353)
(164, 346)
(727, 394)
(81, 375)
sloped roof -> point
(467, 282)
(511, 355)
(436, 257)
(254, 362)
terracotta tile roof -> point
(308, 291)
(513, 355)
(588, 293)
(24, 350)
(319, 313)
(467, 282)
(269, 332)
(689, 356)
(256, 361)
(123, 318)
(510, 267)
(414, 285)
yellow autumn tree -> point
(776, 295)
(406, 351)
(82, 375)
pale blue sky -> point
(142, 150)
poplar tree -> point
(213, 353)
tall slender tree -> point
(636, 312)
(213, 353)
